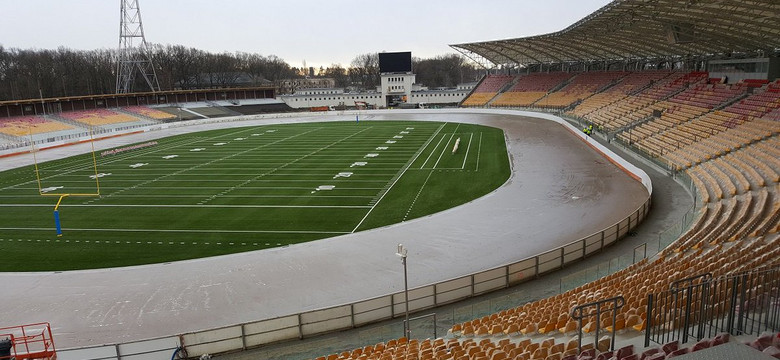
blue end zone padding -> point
(57, 222)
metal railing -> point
(701, 307)
(597, 308)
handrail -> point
(706, 277)
(577, 313)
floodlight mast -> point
(133, 54)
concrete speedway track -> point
(560, 190)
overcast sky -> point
(318, 31)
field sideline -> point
(243, 189)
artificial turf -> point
(241, 189)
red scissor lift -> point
(33, 341)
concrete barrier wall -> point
(366, 311)
(154, 349)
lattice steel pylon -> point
(133, 55)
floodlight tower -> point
(133, 52)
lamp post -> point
(402, 253)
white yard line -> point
(195, 206)
(401, 173)
(443, 150)
(233, 181)
(479, 150)
(433, 150)
(257, 178)
(193, 231)
(467, 151)
(168, 195)
(129, 155)
(144, 183)
(222, 187)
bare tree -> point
(444, 71)
(28, 74)
(364, 70)
(339, 75)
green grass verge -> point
(242, 189)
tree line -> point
(34, 73)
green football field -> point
(241, 189)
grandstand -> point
(581, 87)
(70, 119)
(20, 126)
(486, 90)
(149, 113)
(98, 117)
(530, 88)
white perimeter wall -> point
(376, 99)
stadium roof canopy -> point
(647, 29)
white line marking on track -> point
(433, 151)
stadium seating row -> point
(629, 85)
(98, 117)
(487, 89)
(632, 109)
(479, 98)
(149, 112)
(530, 88)
(21, 126)
(30, 125)
(548, 349)
(581, 87)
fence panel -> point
(550, 260)
(273, 330)
(489, 280)
(452, 290)
(373, 310)
(90, 353)
(327, 320)
(149, 349)
(522, 271)
(214, 341)
(700, 307)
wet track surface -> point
(560, 190)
